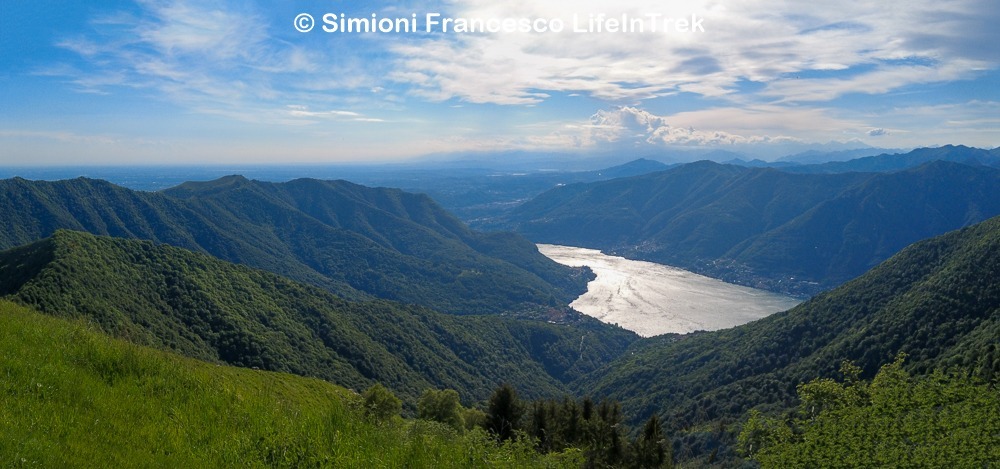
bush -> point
(380, 404)
(441, 406)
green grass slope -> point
(355, 241)
(73, 397)
(937, 300)
(209, 309)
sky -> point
(181, 82)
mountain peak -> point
(633, 168)
(192, 188)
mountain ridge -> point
(352, 240)
(886, 162)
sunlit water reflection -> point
(652, 299)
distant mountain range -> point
(789, 232)
(483, 198)
(886, 162)
(352, 240)
(938, 301)
(871, 159)
(202, 307)
(819, 157)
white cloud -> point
(632, 125)
(302, 111)
(881, 80)
(902, 43)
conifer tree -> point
(652, 449)
(504, 413)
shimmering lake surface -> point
(652, 299)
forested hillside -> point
(938, 301)
(352, 240)
(209, 309)
(794, 233)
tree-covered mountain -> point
(202, 307)
(356, 241)
(938, 301)
(797, 233)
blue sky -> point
(125, 82)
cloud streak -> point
(758, 41)
(212, 57)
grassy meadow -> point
(72, 397)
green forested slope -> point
(937, 300)
(209, 309)
(72, 397)
(896, 420)
(798, 233)
(355, 241)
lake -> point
(652, 299)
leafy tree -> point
(380, 404)
(760, 432)
(441, 406)
(504, 414)
(823, 394)
(474, 418)
(896, 420)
